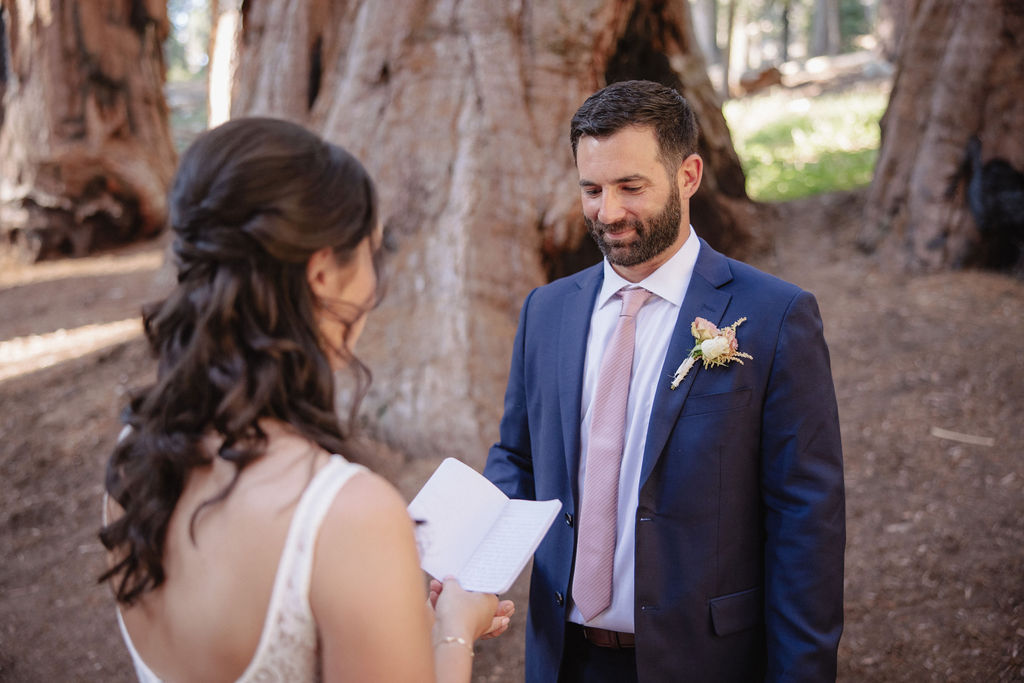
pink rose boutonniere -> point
(714, 346)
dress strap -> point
(142, 671)
(289, 620)
(309, 515)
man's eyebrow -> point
(618, 181)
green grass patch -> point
(793, 148)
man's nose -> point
(611, 210)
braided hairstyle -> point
(236, 340)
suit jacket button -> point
(559, 599)
(568, 518)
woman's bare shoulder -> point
(365, 559)
(367, 591)
(367, 504)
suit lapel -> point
(572, 349)
(704, 299)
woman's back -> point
(206, 620)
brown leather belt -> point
(616, 640)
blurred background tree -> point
(740, 36)
(460, 111)
(739, 39)
(85, 144)
(948, 189)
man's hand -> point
(502, 615)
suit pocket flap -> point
(697, 404)
(737, 611)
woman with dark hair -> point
(241, 545)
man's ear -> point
(689, 175)
(319, 269)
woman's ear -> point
(319, 271)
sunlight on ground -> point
(14, 274)
(35, 352)
(22, 355)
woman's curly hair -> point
(236, 340)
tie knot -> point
(632, 300)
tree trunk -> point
(85, 145)
(961, 76)
(705, 24)
(226, 24)
(730, 27)
(461, 112)
(3, 61)
(825, 29)
(890, 23)
(785, 31)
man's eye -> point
(632, 188)
(591, 191)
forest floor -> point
(930, 385)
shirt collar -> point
(669, 281)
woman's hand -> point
(466, 613)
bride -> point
(242, 544)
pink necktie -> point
(595, 552)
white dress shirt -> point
(654, 325)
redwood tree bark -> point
(85, 145)
(890, 22)
(461, 112)
(960, 75)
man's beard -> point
(652, 236)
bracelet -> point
(457, 641)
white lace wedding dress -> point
(287, 650)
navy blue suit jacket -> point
(740, 528)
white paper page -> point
(509, 545)
(457, 506)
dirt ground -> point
(935, 558)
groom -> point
(703, 526)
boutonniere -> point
(713, 346)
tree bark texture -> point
(960, 76)
(86, 153)
(461, 112)
(890, 23)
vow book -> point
(471, 530)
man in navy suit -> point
(730, 530)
